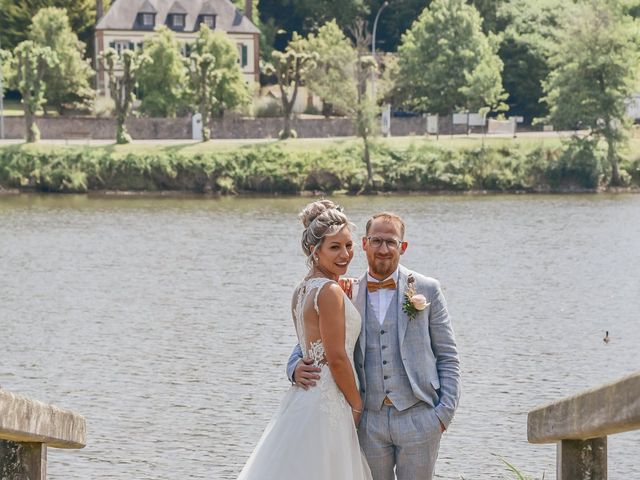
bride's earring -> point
(315, 258)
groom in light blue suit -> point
(406, 359)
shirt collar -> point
(394, 275)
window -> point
(243, 55)
(177, 21)
(121, 45)
(148, 19)
(208, 20)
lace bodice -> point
(315, 350)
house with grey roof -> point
(129, 22)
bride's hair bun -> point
(315, 209)
(320, 219)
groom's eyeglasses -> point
(392, 243)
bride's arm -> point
(332, 332)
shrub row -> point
(275, 169)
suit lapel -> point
(361, 304)
(403, 320)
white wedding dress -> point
(312, 435)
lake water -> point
(166, 322)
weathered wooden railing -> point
(580, 425)
(27, 428)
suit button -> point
(388, 392)
(382, 332)
(386, 377)
(384, 362)
(383, 347)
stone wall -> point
(180, 128)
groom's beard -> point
(383, 267)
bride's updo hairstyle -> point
(320, 219)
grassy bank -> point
(402, 164)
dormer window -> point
(176, 21)
(208, 20)
(146, 20)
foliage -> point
(288, 17)
(291, 69)
(332, 77)
(122, 86)
(528, 40)
(595, 70)
(162, 81)
(68, 82)
(274, 168)
(5, 69)
(215, 77)
(446, 62)
(30, 63)
(15, 16)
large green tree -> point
(332, 77)
(16, 16)
(30, 63)
(528, 40)
(69, 81)
(594, 72)
(163, 81)
(446, 62)
(216, 79)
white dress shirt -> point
(381, 299)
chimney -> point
(99, 10)
(248, 9)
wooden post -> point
(582, 459)
(23, 461)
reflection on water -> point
(166, 322)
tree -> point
(15, 16)
(305, 16)
(332, 77)
(122, 86)
(528, 40)
(162, 81)
(216, 79)
(595, 67)
(446, 63)
(290, 69)
(5, 69)
(30, 63)
(68, 82)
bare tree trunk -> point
(613, 161)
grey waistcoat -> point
(383, 367)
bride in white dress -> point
(313, 434)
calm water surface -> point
(166, 321)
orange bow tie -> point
(389, 283)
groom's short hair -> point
(387, 217)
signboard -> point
(477, 120)
(385, 119)
(460, 118)
(196, 127)
(502, 126)
(432, 124)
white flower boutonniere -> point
(413, 303)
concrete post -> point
(23, 461)
(582, 459)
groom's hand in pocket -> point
(306, 374)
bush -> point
(266, 107)
(277, 169)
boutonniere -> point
(413, 303)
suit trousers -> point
(407, 440)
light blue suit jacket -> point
(427, 346)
